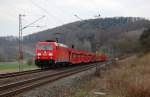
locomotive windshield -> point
(44, 47)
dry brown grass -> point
(131, 78)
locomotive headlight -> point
(39, 54)
(50, 54)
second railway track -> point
(13, 88)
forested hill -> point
(117, 33)
(110, 32)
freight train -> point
(51, 54)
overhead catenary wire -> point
(33, 22)
(57, 18)
(78, 17)
(44, 10)
(61, 10)
(14, 17)
(47, 12)
(52, 21)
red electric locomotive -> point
(50, 54)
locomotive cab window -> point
(44, 47)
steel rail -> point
(13, 74)
(18, 87)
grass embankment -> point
(130, 78)
(12, 67)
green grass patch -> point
(15, 66)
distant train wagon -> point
(50, 54)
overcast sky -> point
(59, 12)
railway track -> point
(8, 75)
(8, 90)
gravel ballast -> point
(60, 87)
